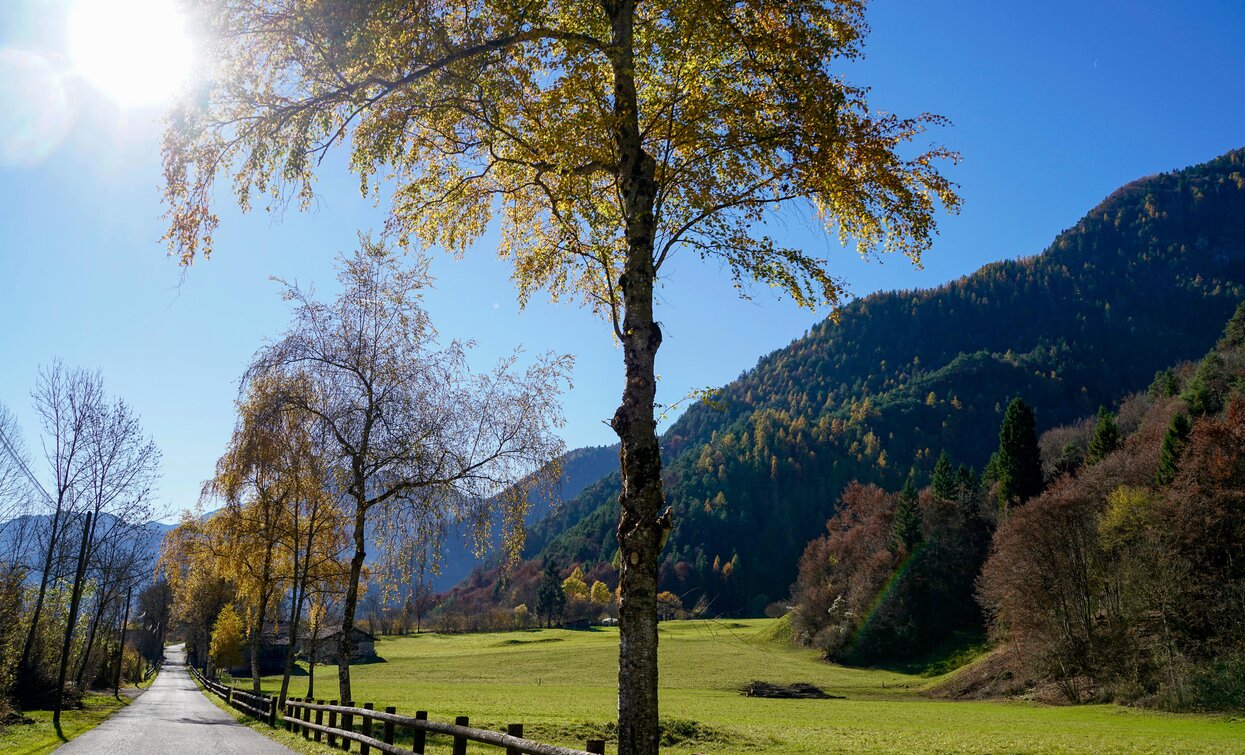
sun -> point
(135, 52)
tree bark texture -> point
(352, 598)
(75, 598)
(640, 526)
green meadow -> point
(560, 685)
(42, 736)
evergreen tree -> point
(1070, 458)
(1165, 384)
(943, 482)
(1234, 332)
(1106, 437)
(966, 480)
(1018, 463)
(1173, 444)
(906, 529)
(1208, 386)
(550, 600)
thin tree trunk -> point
(101, 604)
(641, 530)
(125, 622)
(257, 635)
(352, 598)
(69, 624)
(299, 593)
(53, 538)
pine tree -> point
(1018, 463)
(906, 529)
(1173, 445)
(1106, 437)
(1234, 332)
(943, 482)
(1165, 384)
(550, 600)
(1208, 386)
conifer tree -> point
(944, 481)
(1234, 332)
(1173, 444)
(1018, 463)
(1106, 437)
(550, 600)
(1165, 384)
(906, 529)
(1208, 386)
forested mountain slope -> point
(1144, 280)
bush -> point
(1220, 684)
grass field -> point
(561, 685)
(41, 737)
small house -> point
(323, 646)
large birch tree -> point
(606, 136)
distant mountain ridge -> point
(1144, 280)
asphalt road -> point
(172, 718)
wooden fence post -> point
(307, 718)
(460, 743)
(288, 707)
(388, 736)
(365, 728)
(347, 724)
(332, 724)
(596, 746)
(420, 735)
(320, 722)
(514, 730)
(272, 711)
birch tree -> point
(605, 136)
(408, 424)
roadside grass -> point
(41, 736)
(561, 685)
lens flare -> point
(35, 113)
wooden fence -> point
(298, 717)
(336, 724)
(154, 668)
(263, 707)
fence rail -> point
(154, 668)
(339, 729)
(263, 707)
(298, 718)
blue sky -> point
(1054, 105)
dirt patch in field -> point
(797, 691)
(508, 643)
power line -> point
(4, 439)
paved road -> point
(172, 718)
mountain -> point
(580, 467)
(1144, 280)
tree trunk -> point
(116, 674)
(69, 623)
(53, 539)
(299, 591)
(640, 527)
(352, 597)
(101, 604)
(257, 635)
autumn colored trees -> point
(357, 427)
(608, 137)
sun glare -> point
(136, 52)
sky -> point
(1053, 105)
